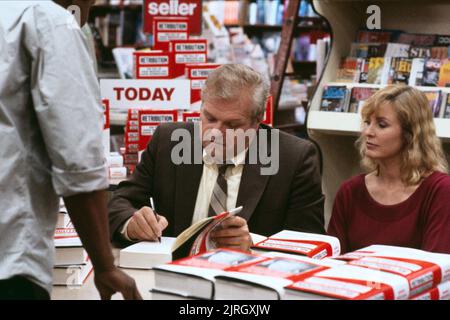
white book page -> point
(200, 272)
(152, 246)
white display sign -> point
(154, 94)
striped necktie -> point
(218, 203)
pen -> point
(154, 211)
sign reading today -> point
(191, 9)
(161, 94)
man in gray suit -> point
(286, 196)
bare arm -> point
(89, 216)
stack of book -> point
(311, 245)
(195, 276)
(375, 272)
(147, 254)
(194, 240)
(117, 170)
(63, 220)
(72, 265)
(140, 127)
(425, 272)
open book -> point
(192, 241)
(196, 239)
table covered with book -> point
(87, 291)
(287, 265)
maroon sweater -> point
(422, 221)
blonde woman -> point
(403, 200)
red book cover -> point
(353, 283)
(152, 65)
(423, 270)
(370, 36)
(149, 121)
(191, 116)
(198, 73)
(132, 126)
(133, 114)
(441, 292)
(167, 29)
(64, 233)
(280, 267)
(220, 259)
(186, 52)
(268, 115)
(316, 246)
(106, 123)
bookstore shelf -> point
(105, 9)
(336, 132)
(345, 123)
(303, 69)
(379, 86)
(116, 7)
(259, 28)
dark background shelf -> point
(260, 29)
(103, 9)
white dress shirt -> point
(208, 181)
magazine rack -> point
(336, 132)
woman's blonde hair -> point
(422, 150)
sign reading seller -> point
(191, 9)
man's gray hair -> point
(231, 82)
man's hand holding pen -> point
(152, 203)
(146, 225)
